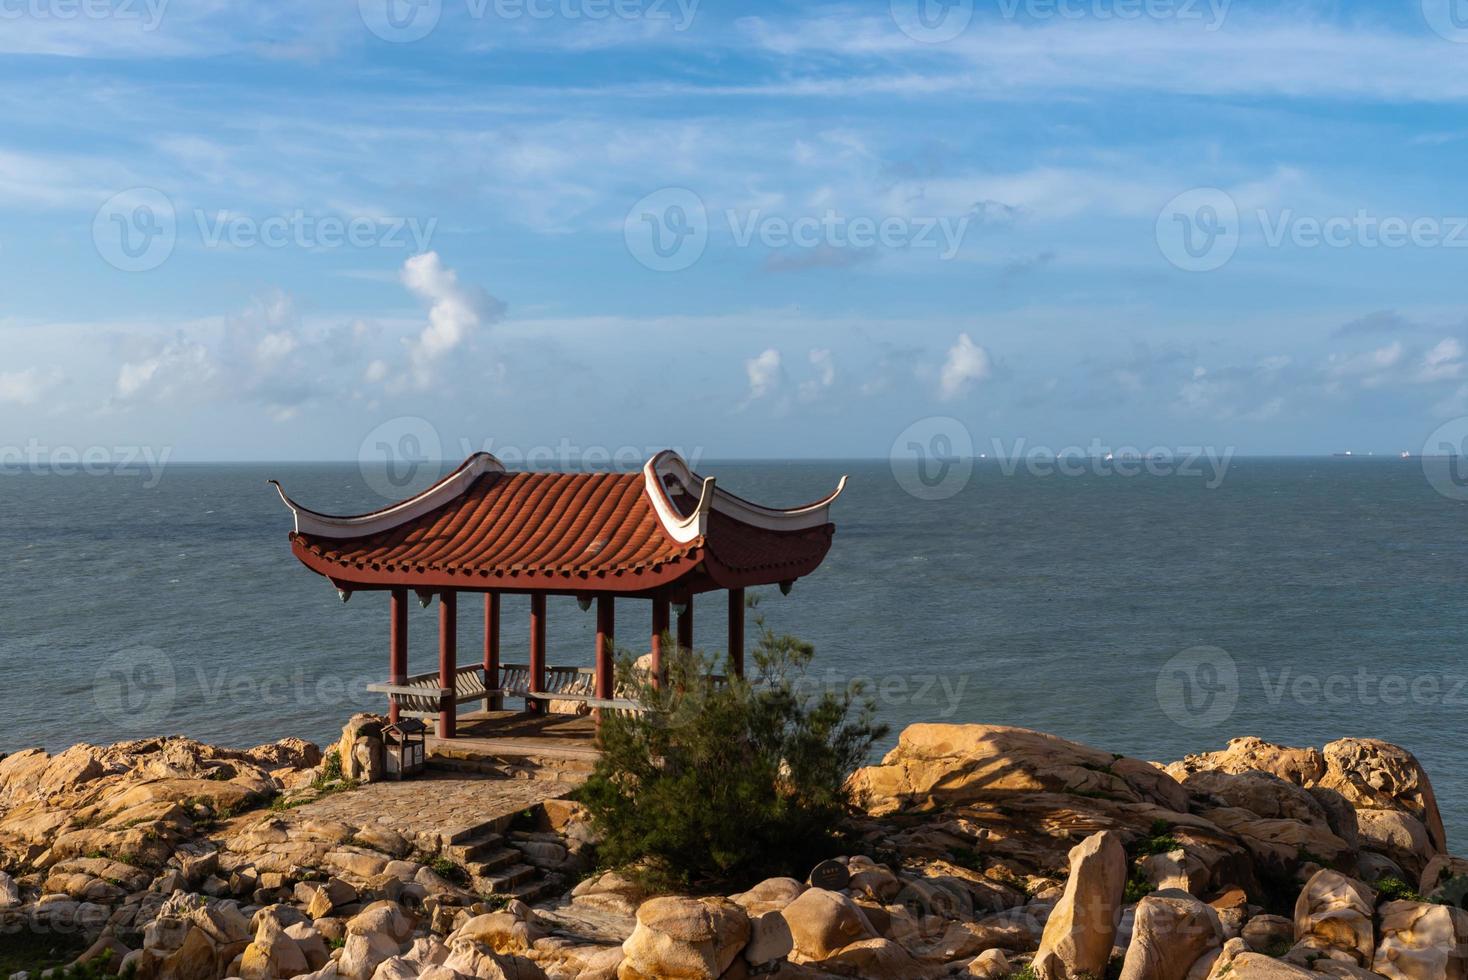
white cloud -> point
(1444, 362)
(178, 366)
(376, 372)
(825, 367)
(455, 313)
(1370, 369)
(27, 387)
(766, 376)
(966, 363)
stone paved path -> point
(448, 807)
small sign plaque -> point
(830, 875)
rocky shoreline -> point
(978, 851)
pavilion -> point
(663, 534)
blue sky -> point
(752, 229)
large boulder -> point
(1376, 775)
(1303, 767)
(823, 922)
(1335, 914)
(937, 765)
(1171, 932)
(677, 937)
(1420, 941)
(1082, 927)
(1399, 836)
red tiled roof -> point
(484, 528)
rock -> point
(1303, 767)
(359, 727)
(273, 954)
(197, 959)
(822, 922)
(1269, 933)
(991, 964)
(770, 939)
(685, 938)
(382, 917)
(1372, 774)
(1335, 913)
(936, 765)
(1441, 869)
(1398, 835)
(222, 922)
(872, 959)
(772, 894)
(1175, 869)
(500, 931)
(9, 892)
(1172, 931)
(1420, 941)
(362, 955)
(1079, 933)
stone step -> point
(459, 836)
(534, 891)
(506, 880)
(476, 848)
(486, 865)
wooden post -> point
(537, 652)
(736, 631)
(606, 627)
(494, 702)
(659, 630)
(448, 661)
(685, 624)
(397, 647)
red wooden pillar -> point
(492, 651)
(448, 661)
(606, 628)
(397, 647)
(736, 631)
(537, 652)
(685, 625)
(659, 630)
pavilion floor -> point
(519, 745)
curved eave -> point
(445, 491)
(711, 497)
(726, 577)
(353, 576)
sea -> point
(1153, 611)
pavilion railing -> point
(420, 695)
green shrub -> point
(727, 784)
(1392, 889)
